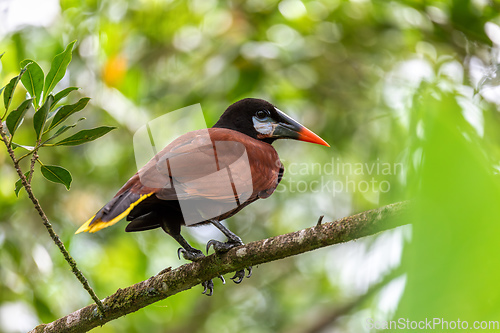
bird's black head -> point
(261, 120)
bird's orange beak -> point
(288, 128)
(307, 135)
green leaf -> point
(1, 55)
(40, 117)
(16, 145)
(63, 129)
(68, 110)
(52, 113)
(19, 184)
(33, 80)
(60, 95)
(85, 136)
(10, 88)
(57, 174)
(58, 69)
(16, 117)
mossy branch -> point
(172, 281)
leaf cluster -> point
(50, 118)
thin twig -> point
(46, 222)
(25, 155)
(320, 220)
(170, 282)
(34, 158)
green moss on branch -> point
(172, 281)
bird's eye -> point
(262, 114)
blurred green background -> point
(406, 93)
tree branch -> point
(55, 237)
(170, 282)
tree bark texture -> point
(172, 281)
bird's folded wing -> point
(215, 164)
(204, 166)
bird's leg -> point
(192, 254)
(232, 241)
(188, 252)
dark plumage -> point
(206, 176)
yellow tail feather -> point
(99, 224)
(85, 226)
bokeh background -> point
(406, 85)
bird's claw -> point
(239, 275)
(209, 244)
(179, 250)
(209, 286)
(221, 247)
(249, 269)
(192, 255)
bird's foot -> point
(194, 255)
(222, 247)
(239, 275)
(209, 286)
(191, 254)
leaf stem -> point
(25, 155)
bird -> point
(206, 176)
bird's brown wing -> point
(215, 166)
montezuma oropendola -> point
(206, 176)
